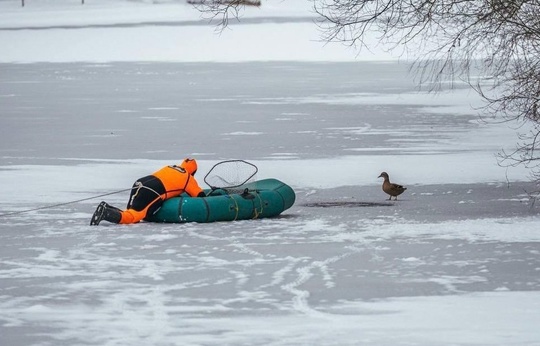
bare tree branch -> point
(494, 45)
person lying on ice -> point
(149, 193)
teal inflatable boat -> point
(260, 199)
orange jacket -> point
(177, 180)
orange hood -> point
(190, 165)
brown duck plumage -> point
(392, 189)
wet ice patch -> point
(345, 204)
(163, 108)
(242, 133)
(158, 118)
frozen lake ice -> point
(160, 111)
(453, 261)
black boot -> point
(107, 213)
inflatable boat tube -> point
(260, 199)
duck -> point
(391, 189)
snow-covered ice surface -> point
(455, 261)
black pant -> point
(144, 192)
